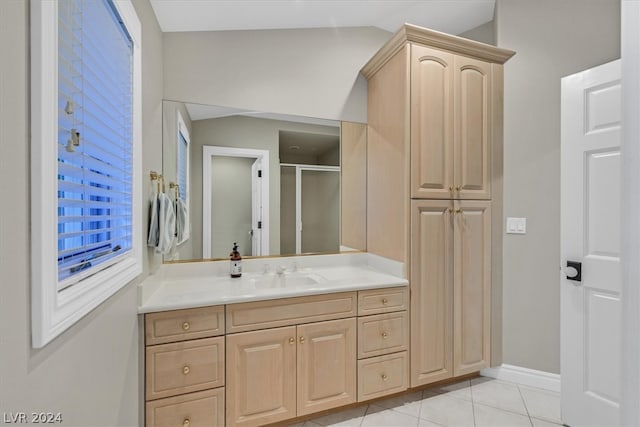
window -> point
(86, 188)
(183, 158)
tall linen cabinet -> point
(434, 191)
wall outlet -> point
(516, 225)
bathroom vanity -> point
(322, 332)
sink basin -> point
(287, 280)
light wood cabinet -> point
(200, 409)
(326, 365)
(451, 312)
(266, 367)
(250, 316)
(261, 376)
(383, 340)
(378, 301)
(185, 372)
(450, 125)
(432, 124)
(181, 325)
(382, 375)
(432, 300)
(280, 358)
(472, 286)
(434, 190)
(472, 128)
(184, 367)
(382, 334)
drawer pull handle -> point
(186, 326)
(186, 422)
(186, 369)
(385, 335)
(384, 377)
(385, 301)
(301, 340)
(292, 340)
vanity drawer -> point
(290, 311)
(382, 375)
(382, 334)
(200, 409)
(180, 325)
(377, 301)
(184, 367)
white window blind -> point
(95, 140)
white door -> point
(590, 227)
(256, 208)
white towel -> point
(166, 225)
(154, 211)
(182, 221)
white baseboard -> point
(524, 376)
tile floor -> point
(480, 402)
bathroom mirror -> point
(270, 182)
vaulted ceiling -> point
(450, 16)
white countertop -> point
(199, 284)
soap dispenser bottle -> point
(236, 262)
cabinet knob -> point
(186, 369)
(450, 188)
(458, 211)
(186, 422)
(384, 377)
(186, 326)
(385, 335)
(385, 301)
(292, 340)
(302, 340)
(458, 188)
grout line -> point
(473, 403)
(365, 414)
(524, 402)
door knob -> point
(574, 271)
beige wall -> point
(309, 72)
(485, 33)
(90, 373)
(552, 38)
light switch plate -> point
(516, 225)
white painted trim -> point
(524, 376)
(208, 151)
(630, 252)
(53, 311)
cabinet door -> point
(261, 376)
(472, 286)
(472, 148)
(431, 123)
(326, 365)
(431, 291)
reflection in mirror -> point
(267, 181)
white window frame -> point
(53, 311)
